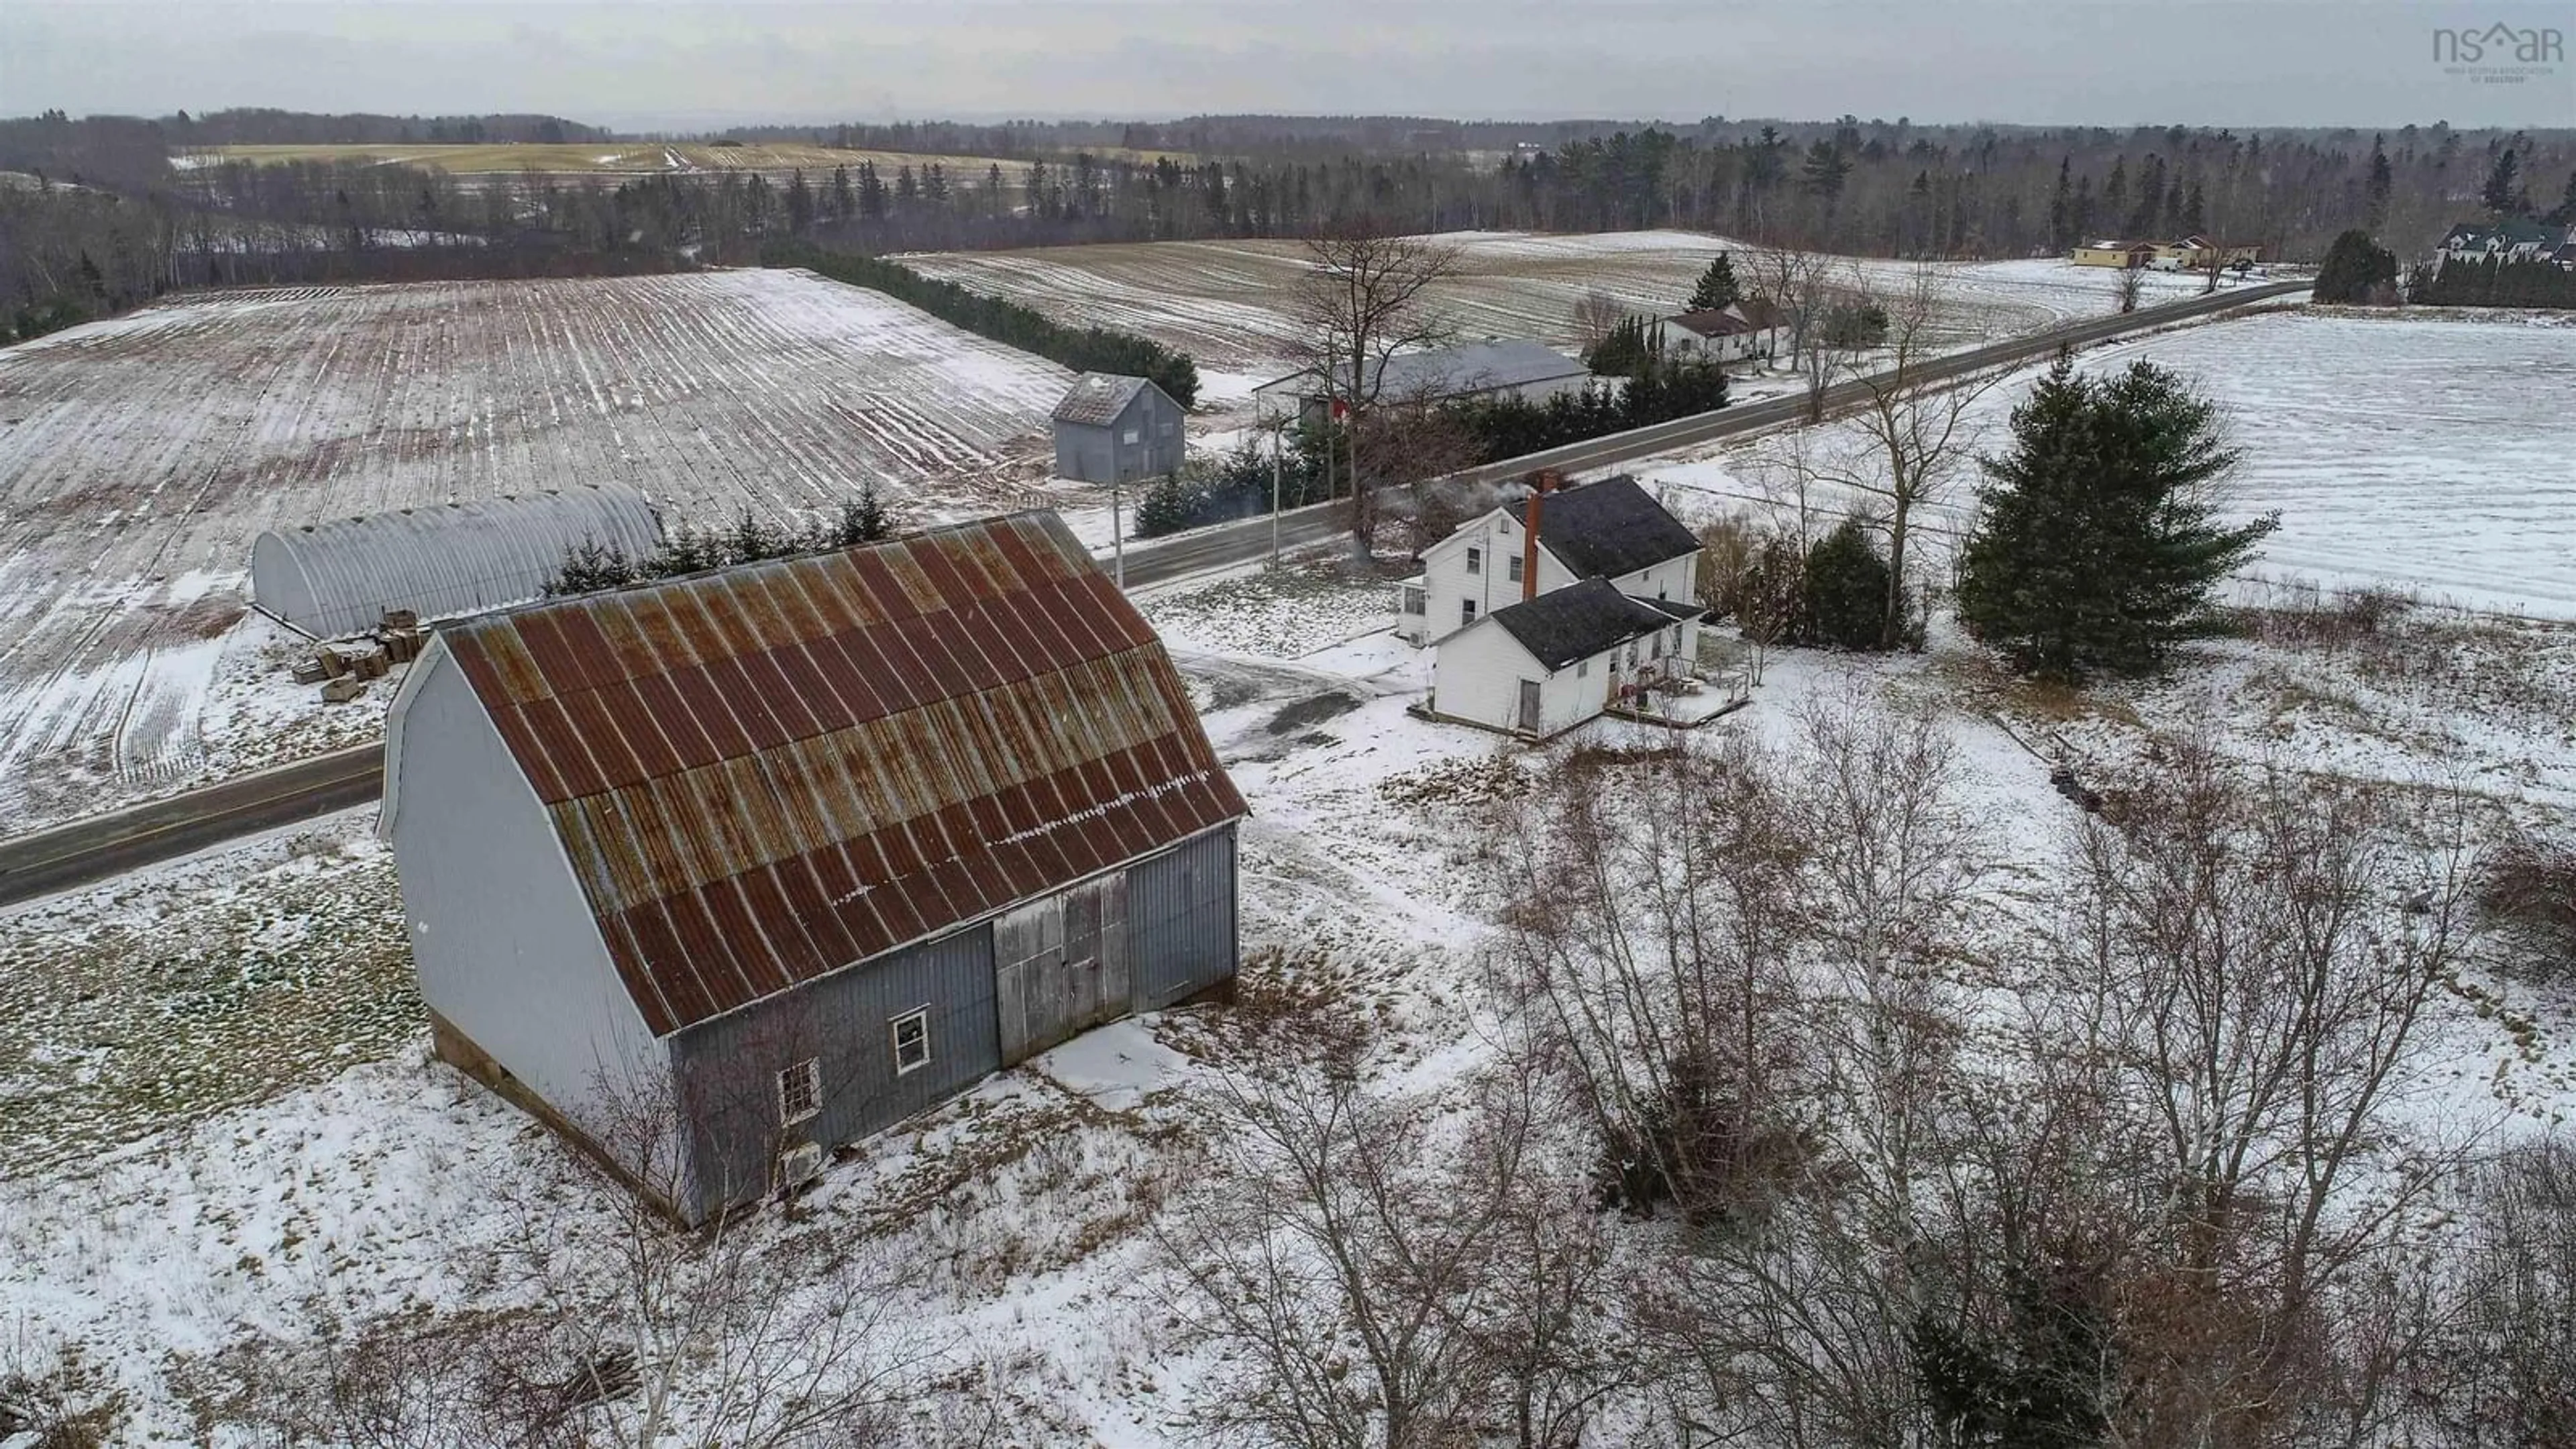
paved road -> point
(104, 845)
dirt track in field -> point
(140, 457)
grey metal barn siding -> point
(728, 1066)
(1181, 919)
(1098, 453)
(439, 559)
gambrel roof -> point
(1096, 399)
(1609, 528)
(766, 773)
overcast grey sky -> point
(701, 62)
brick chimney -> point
(1542, 483)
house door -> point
(1529, 705)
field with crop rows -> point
(140, 457)
(1227, 302)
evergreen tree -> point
(2097, 546)
(862, 520)
(2564, 213)
(2503, 192)
(1846, 589)
(2357, 272)
(1718, 288)
(2383, 180)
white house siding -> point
(1477, 676)
(516, 964)
(1447, 583)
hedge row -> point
(1085, 349)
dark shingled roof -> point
(767, 773)
(1608, 528)
(1589, 618)
(1097, 398)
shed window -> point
(911, 1040)
(1466, 612)
(1131, 435)
(800, 1092)
(1475, 560)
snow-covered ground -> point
(139, 457)
(2433, 455)
(223, 1129)
(1228, 302)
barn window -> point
(800, 1092)
(911, 1040)
(1475, 560)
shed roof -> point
(439, 559)
(763, 774)
(1456, 371)
(1609, 528)
(1097, 398)
(1584, 621)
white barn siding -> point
(516, 964)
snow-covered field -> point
(139, 458)
(1227, 302)
(236, 1140)
(2432, 455)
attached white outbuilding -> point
(439, 559)
(1546, 665)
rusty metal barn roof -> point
(767, 773)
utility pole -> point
(1274, 498)
(1117, 538)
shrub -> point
(1846, 589)
(2528, 895)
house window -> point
(800, 1092)
(1582, 668)
(911, 1040)
(1414, 603)
(1475, 560)
(1515, 568)
(1466, 612)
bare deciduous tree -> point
(1366, 296)
(1913, 433)
(1596, 315)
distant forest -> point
(96, 218)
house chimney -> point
(1542, 483)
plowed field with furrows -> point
(140, 457)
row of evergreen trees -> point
(1084, 349)
(2492, 283)
(590, 566)
(1660, 389)
(1236, 485)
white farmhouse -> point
(1751, 330)
(1544, 665)
(1611, 530)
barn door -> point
(1529, 705)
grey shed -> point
(1112, 429)
(439, 559)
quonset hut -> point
(799, 848)
(439, 559)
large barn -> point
(798, 849)
(439, 559)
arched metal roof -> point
(439, 559)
